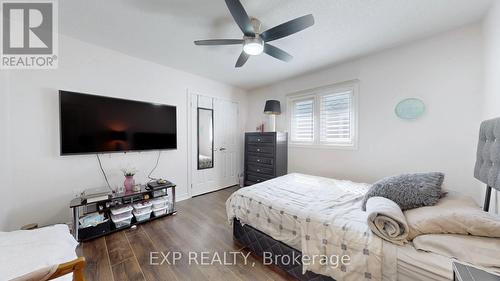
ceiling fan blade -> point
(240, 17)
(288, 28)
(277, 53)
(242, 59)
(211, 42)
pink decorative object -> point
(129, 183)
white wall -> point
(491, 27)
(47, 181)
(5, 174)
(444, 71)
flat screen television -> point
(96, 124)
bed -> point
(304, 215)
(41, 254)
(299, 215)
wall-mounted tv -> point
(96, 124)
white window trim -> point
(316, 93)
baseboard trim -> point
(181, 197)
(216, 190)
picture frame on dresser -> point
(266, 156)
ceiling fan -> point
(254, 41)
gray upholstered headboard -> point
(487, 167)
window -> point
(303, 120)
(324, 117)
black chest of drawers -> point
(266, 156)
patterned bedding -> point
(322, 217)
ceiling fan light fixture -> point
(253, 46)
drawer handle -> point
(258, 160)
(258, 149)
(258, 170)
(258, 180)
(258, 139)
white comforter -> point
(319, 216)
(25, 251)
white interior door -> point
(202, 180)
(226, 142)
(226, 149)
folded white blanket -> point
(24, 251)
(386, 220)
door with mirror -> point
(214, 144)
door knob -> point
(222, 149)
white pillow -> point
(480, 251)
(453, 214)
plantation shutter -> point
(335, 117)
(303, 120)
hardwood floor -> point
(199, 226)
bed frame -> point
(259, 242)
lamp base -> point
(272, 123)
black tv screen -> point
(96, 124)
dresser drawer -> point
(260, 139)
(260, 160)
(260, 169)
(257, 178)
(247, 183)
(260, 149)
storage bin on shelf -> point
(121, 216)
(122, 221)
(142, 211)
(143, 214)
(160, 211)
(159, 202)
(142, 207)
(121, 212)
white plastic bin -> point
(123, 221)
(159, 202)
(121, 212)
(160, 211)
(142, 215)
(142, 207)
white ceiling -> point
(163, 31)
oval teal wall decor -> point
(410, 109)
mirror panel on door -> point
(205, 138)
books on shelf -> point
(96, 194)
(97, 199)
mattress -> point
(324, 213)
(405, 263)
(283, 201)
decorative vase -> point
(129, 183)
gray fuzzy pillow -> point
(409, 191)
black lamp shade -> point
(273, 107)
